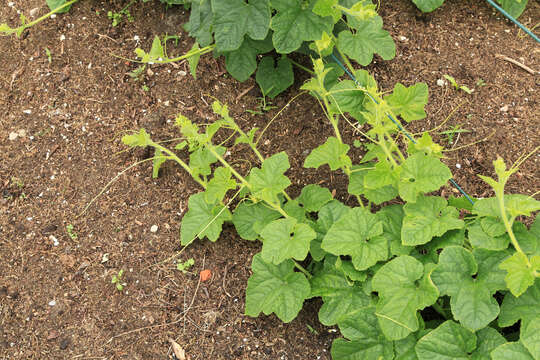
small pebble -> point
(62, 37)
(13, 136)
(441, 82)
(52, 303)
(458, 165)
(154, 228)
(34, 12)
(54, 240)
(504, 108)
(402, 38)
(182, 73)
(28, 112)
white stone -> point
(504, 108)
(13, 136)
(27, 112)
(441, 82)
(154, 228)
(52, 302)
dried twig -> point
(223, 285)
(517, 63)
(243, 93)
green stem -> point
(500, 197)
(21, 28)
(302, 269)
(200, 51)
(301, 67)
(179, 161)
(438, 308)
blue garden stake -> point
(511, 18)
(452, 181)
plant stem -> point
(21, 28)
(302, 269)
(438, 308)
(499, 192)
(301, 66)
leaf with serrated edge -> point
(404, 287)
(421, 174)
(479, 239)
(409, 102)
(313, 197)
(428, 217)
(249, 219)
(273, 80)
(285, 239)
(526, 306)
(219, 185)
(333, 152)
(275, 289)
(449, 341)
(428, 5)
(202, 219)
(519, 274)
(470, 279)
(511, 351)
(357, 233)
(268, 181)
(487, 340)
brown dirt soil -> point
(83, 101)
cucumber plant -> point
(513, 7)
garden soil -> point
(61, 120)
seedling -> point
(116, 17)
(118, 281)
(450, 134)
(262, 107)
(184, 266)
(456, 85)
(480, 83)
(71, 233)
(49, 56)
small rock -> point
(154, 229)
(504, 108)
(458, 165)
(27, 112)
(64, 343)
(149, 72)
(182, 73)
(54, 240)
(13, 136)
(402, 38)
(53, 334)
(34, 12)
(21, 132)
(52, 303)
(441, 82)
(62, 37)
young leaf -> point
(193, 60)
(202, 219)
(479, 239)
(357, 234)
(511, 351)
(369, 38)
(285, 239)
(449, 341)
(142, 138)
(332, 152)
(470, 279)
(514, 204)
(275, 289)
(392, 219)
(250, 218)
(428, 5)
(427, 218)
(530, 336)
(513, 7)
(219, 185)
(314, 197)
(487, 340)
(235, 18)
(520, 275)
(269, 181)
(527, 306)
(367, 340)
(201, 159)
(409, 102)
(404, 287)
(242, 62)
(347, 97)
(421, 174)
(53, 4)
(274, 80)
(295, 23)
(341, 299)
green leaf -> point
(193, 60)
(367, 340)
(325, 8)
(294, 23)
(392, 219)
(520, 275)
(347, 97)
(421, 174)
(511, 351)
(409, 102)
(479, 239)
(314, 197)
(530, 336)
(514, 204)
(219, 185)
(233, 19)
(450, 341)
(285, 239)
(142, 138)
(294, 210)
(492, 226)
(369, 38)
(487, 340)
(201, 159)
(275, 289)
(341, 299)
(428, 217)
(514, 7)
(202, 219)
(250, 218)
(274, 80)
(470, 279)
(53, 4)
(428, 5)
(357, 234)
(526, 306)
(404, 287)
(333, 152)
(200, 22)
(269, 181)
(242, 62)
(159, 159)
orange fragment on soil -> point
(205, 275)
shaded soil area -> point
(69, 112)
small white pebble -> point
(13, 136)
(53, 16)
(62, 37)
(504, 108)
(28, 111)
(52, 302)
(154, 228)
(441, 82)
(402, 38)
(458, 165)
(182, 73)
(11, 4)
(54, 240)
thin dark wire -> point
(452, 181)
